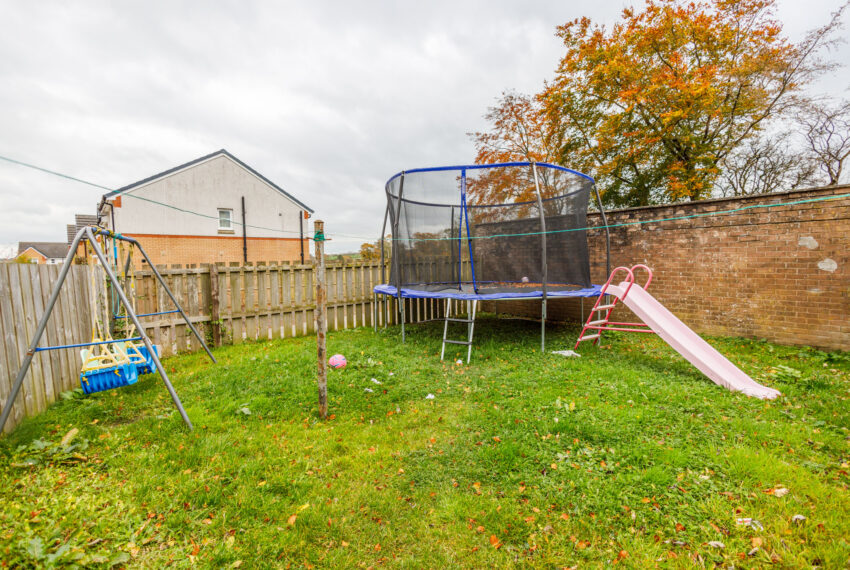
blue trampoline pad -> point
(469, 294)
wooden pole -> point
(321, 317)
(214, 305)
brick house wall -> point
(183, 250)
(776, 272)
(31, 255)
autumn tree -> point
(520, 131)
(654, 105)
(826, 127)
(372, 251)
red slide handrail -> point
(606, 323)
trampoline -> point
(488, 232)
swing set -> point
(108, 362)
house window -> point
(225, 219)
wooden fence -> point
(238, 304)
(226, 304)
(24, 291)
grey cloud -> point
(328, 99)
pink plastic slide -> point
(687, 343)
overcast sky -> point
(327, 99)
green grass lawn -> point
(626, 456)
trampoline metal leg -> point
(401, 308)
(471, 316)
(375, 312)
(543, 328)
(445, 329)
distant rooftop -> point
(49, 249)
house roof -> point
(49, 249)
(221, 152)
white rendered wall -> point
(216, 183)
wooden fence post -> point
(215, 318)
(321, 317)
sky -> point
(326, 99)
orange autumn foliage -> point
(651, 106)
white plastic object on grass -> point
(570, 353)
(368, 390)
(376, 381)
(752, 523)
(430, 397)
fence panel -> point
(24, 292)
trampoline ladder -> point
(470, 327)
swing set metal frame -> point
(90, 234)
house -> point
(80, 221)
(214, 209)
(42, 252)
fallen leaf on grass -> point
(680, 527)
(291, 520)
(716, 544)
(69, 437)
(494, 541)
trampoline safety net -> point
(489, 229)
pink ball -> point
(337, 361)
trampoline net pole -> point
(544, 268)
(383, 268)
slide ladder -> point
(599, 318)
(657, 319)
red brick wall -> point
(185, 250)
(760, 273)
(30, 255)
